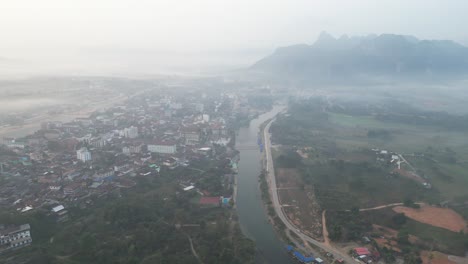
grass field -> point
(363, 121)
(449, 180)
(404, 138)
(344, 185)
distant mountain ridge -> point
(374, 55)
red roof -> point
(209, 200)
(362, 251)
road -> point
(278, 208)
(384, 206)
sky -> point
(144, 37)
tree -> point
(408, 202)
(399, 219)
(403, 238)
(335, 233)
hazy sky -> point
(119, 35)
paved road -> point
(277, 205)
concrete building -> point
(192, 136)
(127, 150)
(162, 147)
(15, 237)
(98, 142)
(83, 154)
(130, 132)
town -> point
(72, 164)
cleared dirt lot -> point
(435, 216)
(299, 203)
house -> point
(60, 213)
(58, 208)
(15, 237)
(362, 251)
(210, 201)
(163, 147)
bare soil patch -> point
(435, 216)
(410, 175)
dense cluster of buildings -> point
(66, 163)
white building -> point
(83, 154)
(127, 150)
(15, 237)
(130, 132)
(162, 147)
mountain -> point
(346, 57)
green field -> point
(404, 138)
(433, 142)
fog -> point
(138, 38)
(25, 104)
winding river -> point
(252, 215)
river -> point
(252, 215)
